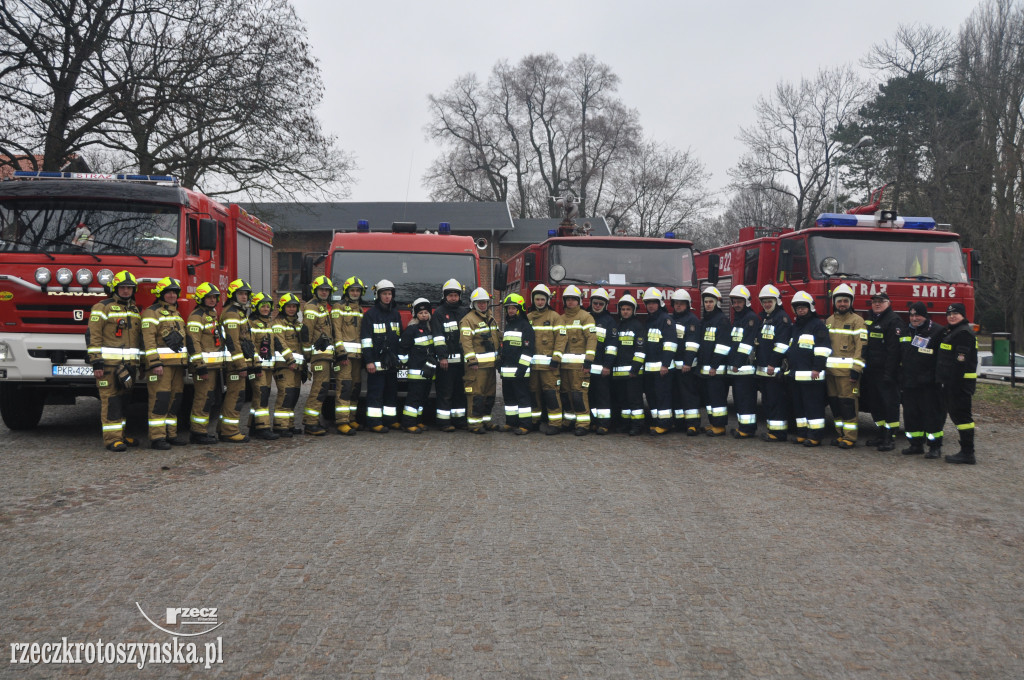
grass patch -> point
(1000, 403)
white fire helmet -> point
(680, 296)
(572, 291)
(741, 292)
(480, 295)
(802, 298)
(652, 294)
(770, 291)
(541, 288)
(383, 285)
(843, 289)
(627, 300)
(600, 294)
(452, 286)
(711, 291)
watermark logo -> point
(186, 621)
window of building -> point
(289, 272)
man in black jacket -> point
(451, 398)
(957, 374)
(882, 358)
(380, 335)
(601, 370)
(922, 408)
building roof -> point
(529, 231)
(343, 216)
(8, 164)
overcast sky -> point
(692, 69)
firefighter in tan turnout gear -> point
(346, 320)
(288, 375)
(240, 364)
(269, 351)
(165, 359)
(206, 355)
(544, 377)
(577, 345)
(113, 341)
(318, 348)
(848, 334)
(480, 337)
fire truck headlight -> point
(64, 276)
(6, 354)
(84, 277)
(557, 272)
(104, 276)
(43, 276)
(829, 266)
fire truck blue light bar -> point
(30, 174)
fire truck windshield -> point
(660, 263)
(891, 257)
(414, 274)
(88, 226)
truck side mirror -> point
(714, 261)
(207, 234)
(306, 274)
(785, 256)
(975, 267)
(530, 267)
(500, 276)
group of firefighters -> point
(581, 371)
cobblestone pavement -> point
(461, 556)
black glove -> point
(854, 374)
(321, 344)
(428, 371)
(305, 373)
(124, 376)
(487, 343)
(248, 349)
(175, 341)
(202, 371)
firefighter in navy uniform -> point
(381, 333)
(288, 368)
(685, 385)
(268, 349)
(206, 357)
(450, 395)
(849, 336)
(957, 373)
(480, 337)
(627, 373)
(318, 351)
(772, 345)
(165, 359)
(743, 339)
(713, 358)
(544, 376)
(416, 352)
(114, 344)
(234, 323)
(577, 345)
(346, 323)
(919, 392)
(517, 342)
(881, 373)
(600, 390)
(660, 356)
(809, 349)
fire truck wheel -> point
(21, 406)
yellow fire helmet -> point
(166, 285)
(205, 290)
(238, 286)
(123, 278)
(515, 299)
(321, 282)
(288, 299)
(262, 299)
(353, 282)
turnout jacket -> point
(917, 365)
(416, 350)
(809, 348)
(203, 339)
(234, 324)
(114, 334)
(714, 349)
(517, 343)
(577, 340)
(381, 333)
(317, 331)
(346, 325)
(661, 345)
(630, 339)
(288, 330)
(445, 325)
(742, 342)
(882, 353)
(270, 351)
(773, 340)
(604, 355)
(163, 336)
(957, 364)
(687, 338)
(480, 337)
(547, 324)
(849, 336)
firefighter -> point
(416, 352)
(480, 336)
(685, 388)
(269, 351)
(288, 369)
(882, 362)
(713, 358)
(544, 376)
(600, 390)
(165, 359)
(206, 357)
(234, 323)
(114, 341)
(848, 334)
(627, 374)
(346, 323)
(577, 345)
(809, 349)
(772, 345)
(517, 343)
(743, 339)
(660, 351)
(380, 334)
(923, 416)
(448, 388)
(318, 351)
(957, 373)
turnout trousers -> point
(382, 398)
(346, 390)
(289, 383)
(716, 395)
(923, 415)
(231, 415)
(686, 399)
(658, 390)
(450, 395)
(575, 388)
(207, 396)
(628, 395)
(744, 400)
(320, 377)
(164, 401)
(480, 387)
(808, 408)
(518, 404)
(600, 396)
(884, 399)
(261, 418)
(775, 402)
(844, 400)
(415, 398)
(957, 404)
(113, 399)
(544, 396)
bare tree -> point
(915, 50)
(756, 207)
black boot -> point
(916, 446)
(966, 454)
(887, 444)
(934, 451)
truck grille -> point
(54, 315)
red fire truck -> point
(64, 235)
(619, 264)
(907, 257)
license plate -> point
(403, 373)
(64, 371)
